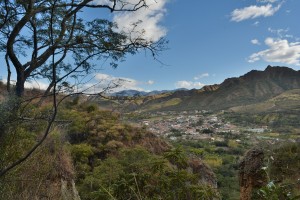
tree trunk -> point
(20, 84)
(8, 73)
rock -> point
(251, 175)
(205, 173)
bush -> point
(207, 131)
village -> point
(196, 125)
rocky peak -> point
(210, 88)
(278, 71)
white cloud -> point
(121, 83)
(188, 84)
(100, 83)
(280, 50)
(109, 84)
(32, 84)
(254, 11)
(201, 76)
(36, 84)
(279, 32)
(150, 82)
(148, 19)
(289, 36)
(283, 33)
(255, 42)
(256, 23)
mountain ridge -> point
(253, 87)
(136, 93)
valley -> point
(220, 138)
(149, 100)
(174, 136)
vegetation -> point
(136, 174)
(106, 158)
(38, 36)
(92, 154)
(53, 148)
(224, 163)
(50, 31)
(50, 164)
(281, 171)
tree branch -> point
(8, 73)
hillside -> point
(286, 101)
(253, 87)
(280, 113)
(92, 154)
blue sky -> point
(209, 41)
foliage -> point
(175, 133)
(208, 131)
(136, 174)
(213, 160)
(31, 179)
(34, 31)
(111, 162)
(277, 190)
(274, 191)
(222, 159)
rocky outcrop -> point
(251, 175)
(210, 88)
(205, 173)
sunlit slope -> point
(289, 100)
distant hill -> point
(136, 93)
(251, 88)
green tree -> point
(37, 36)
(177, 157)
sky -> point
(209, 41)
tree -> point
(37, 36)
(34, 31)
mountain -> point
(136, 93)
(128, 93)
(253, 87)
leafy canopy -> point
(33, 31)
